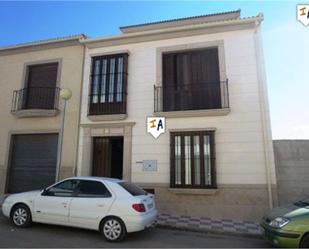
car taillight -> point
(139, 207)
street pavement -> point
(40, 235)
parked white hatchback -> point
(112, 206)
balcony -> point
(111, 106)
(35, 102)
(205, 99)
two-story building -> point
(31, 112)
(206, 76)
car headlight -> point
(279, 222)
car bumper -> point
(6, 209)
(139, 223)
(281, 238)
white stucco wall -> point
(238, 137)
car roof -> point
(108, 179)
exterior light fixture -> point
(65, 94)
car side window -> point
(63, 189)
(92, 189)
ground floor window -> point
(193, 160)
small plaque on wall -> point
(150, 165)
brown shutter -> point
(43, 75)
(169, 79)
(41, 86)
(191, 80)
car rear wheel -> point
(21, 216)
(305, 242)
(113, 229)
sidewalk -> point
(203, 224)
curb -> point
(212, 231)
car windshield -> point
(132, 189)
(302, 203)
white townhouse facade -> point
(206, 76)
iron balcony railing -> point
(183, 97)
(35, 98)
(110, 103)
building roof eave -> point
(43, 44)
(213, 27)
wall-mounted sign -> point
(303, 13)
(155, 126)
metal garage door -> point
(33, 162)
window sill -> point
(194, 113)
(185, 191)
(108, 117)
(31, 113)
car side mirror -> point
(44, 191)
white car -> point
(113, 207)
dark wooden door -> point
(33, 162)
(191, 80)
(101, 161)
(41, 86)
(107, 157)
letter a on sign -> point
(155, 126)
(303, 14)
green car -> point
(288, 226)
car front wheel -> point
(21, 216)
(113, 229)
(305, 242)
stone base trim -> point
(228, 201)
(184, 191)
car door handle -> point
(64, 204)
(100, 205)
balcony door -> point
(191, 80)
(40, 90)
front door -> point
(107, 157)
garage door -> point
(33, 162)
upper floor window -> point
(191, 80)
(108, 85)
(40, 91)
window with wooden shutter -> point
(40, 91)
(108, 85)
(191, 80)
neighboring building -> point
(292, 168)
(30, 111)
(204, 74)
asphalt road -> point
(40, 235)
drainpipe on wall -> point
(263, 100)
(74, 171)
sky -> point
(285, 40)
